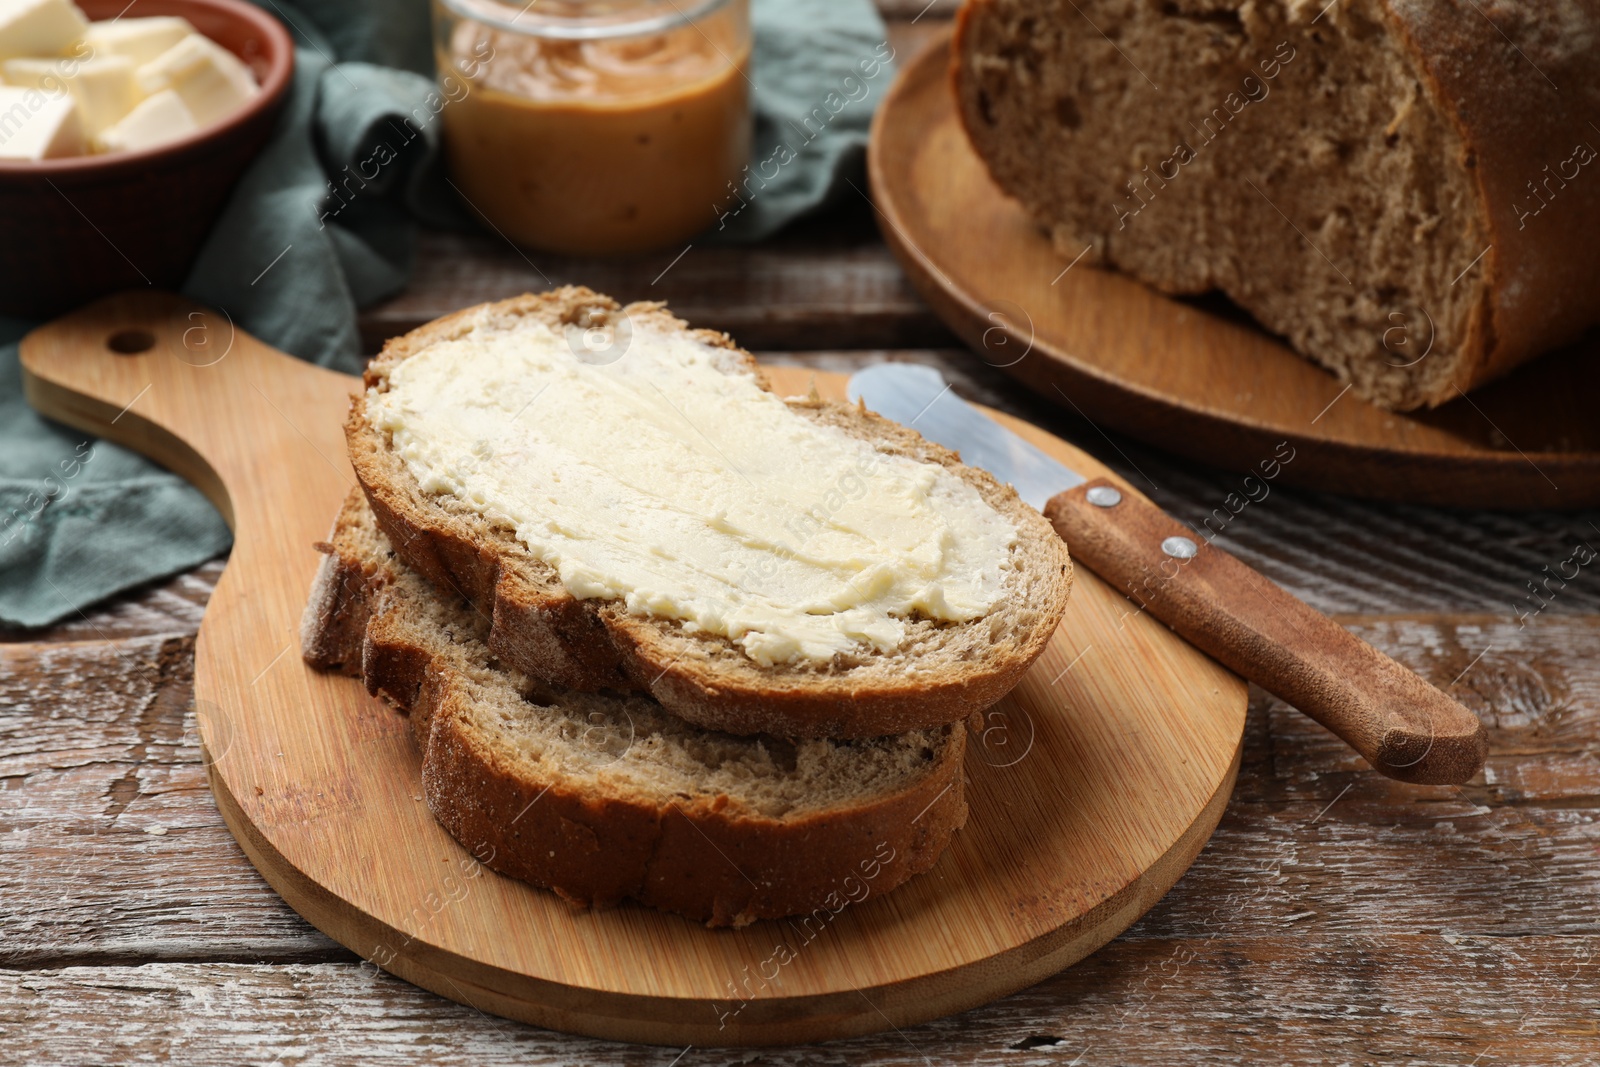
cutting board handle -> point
(1405, 727)
(152, 371)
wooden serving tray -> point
(1202, 384)
(1092, 787)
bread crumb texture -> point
(1356, 175)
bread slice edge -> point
(700, 857)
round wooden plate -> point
(1203, 384)
(1092, 787)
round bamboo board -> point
(1092, 787)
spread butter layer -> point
(690, 492)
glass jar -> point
(595, 127)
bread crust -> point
(1500, 84)
(703, 857)
(333, 627)
(541, 629)
(688, 858)
(1496, 84)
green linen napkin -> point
(82, 519)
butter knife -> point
(1404, 727)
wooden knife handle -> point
(1405, 727)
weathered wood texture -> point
(111, 847)
(1444, 1000)
(826, 283)
(919, 10)
(163, 607)
(1335, 916)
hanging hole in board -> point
(131, 342)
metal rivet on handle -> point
(1103, 496)
(1180, 548)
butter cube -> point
(39, 27)
(103, 87)
(140, 40)
(32, 73)
(159, 118)
(210, 79)
(34, 125)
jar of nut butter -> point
(595, 127)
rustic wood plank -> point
(914, 24)
(165, 607)
(112, 849)
(1290, 999)
(1485, 897)
(824, 283)
(110, 844)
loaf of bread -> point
(603, 797)
(1408, 190)
(554, 619)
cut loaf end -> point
(1349, 174)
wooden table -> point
(1336, 917)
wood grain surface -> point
(1195, 380)
(1346, 916)
(1092, 786)
(1335, 916)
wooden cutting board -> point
(1092, 787)
(1205, 383)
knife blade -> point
(919, 397)
(1404, 727)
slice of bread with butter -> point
(634, 509)
(602, 797)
